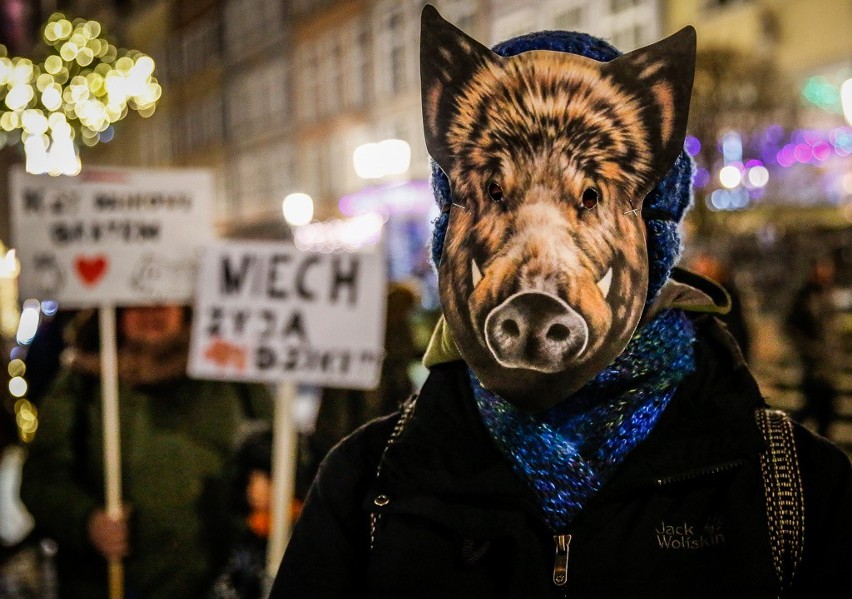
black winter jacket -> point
(683, 516)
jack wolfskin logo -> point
(683, 535)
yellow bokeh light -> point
(83, 86)
(65, 29)
(51, 98)
(93, 28)
(9, 121)
(17, 367)
(95, 46)
(124, 64)
(34, 122)
(19, 96)
(22, 72)
(68, 51)
(56, 119)
(85, 57)
(44, 81)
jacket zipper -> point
(677, 478)
(560, 563)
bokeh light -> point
(298, 209)
(730, 176)
(86, 80)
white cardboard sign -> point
(267, 311)
(111, 235)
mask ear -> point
(661, 76)
(448, 60)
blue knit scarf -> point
(568, 452)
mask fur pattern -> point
(544, 271)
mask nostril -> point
(510, 328)
(558, 332)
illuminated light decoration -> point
(16, 367)
(821, 151)
(804, 153)
(26, 417)
(758, 176)
(732, 147)
(820, 92)
(730, 176)
(350, 234)
(718, 200)
(846, 184)
(786, 156)
(738, 199)
(9, 270)
(382, 159)
(728, 199)
(773, 133)
(411, 197)
(298, 209)
(701, 177)
(756, 193)
(28, 324)
(17, 386)
(85, 80)
(846, 99)
(49, 307)
(692, 145)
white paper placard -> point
(267, 311)
(111, 235)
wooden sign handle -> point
(283, 475)
(112, 436)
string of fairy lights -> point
(83, 86)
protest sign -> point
(270, 312)
(111, 235)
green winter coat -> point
(176, 435)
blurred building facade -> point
(274, 96)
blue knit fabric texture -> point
(567, 453)
(669, 199)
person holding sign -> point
(588, 428)
(177, 434)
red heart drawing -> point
(91, 270)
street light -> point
(298, 209)
(381, 159)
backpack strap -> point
(782, 485)
(406, 411)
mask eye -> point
(495, 192)
(590, 198)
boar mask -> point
(544, 271)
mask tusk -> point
(605, 283)
(475, 273)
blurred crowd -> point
(196, 461)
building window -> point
(359, 76)
(714, 4)
(250, 24)
(199, 46)
(305, 83)
(620, 5)
(572, 19)
(257, 101)
(396, 52)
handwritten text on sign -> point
(111, 235)
(269, 312)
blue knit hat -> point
(663, 208)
